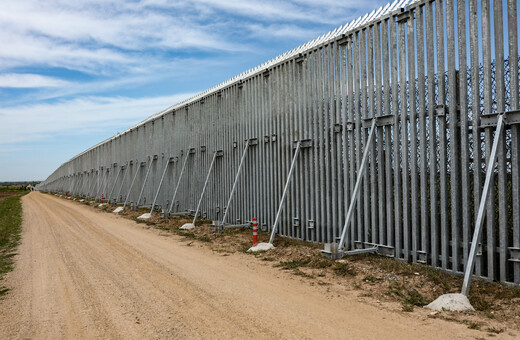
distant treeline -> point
(16, 186)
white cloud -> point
(99, 36)
(27, 123)
(26, 80)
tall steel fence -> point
(431, 76)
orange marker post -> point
(255, 231)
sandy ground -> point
(81, 273)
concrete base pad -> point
(102, 205)
(452, 302)
(261, 247)
(188, 226)
(118, 209)
(145, 216)
(82, 200)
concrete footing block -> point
(261, 247)
(118, 209)
(451, 302)
(187, 226)
(145, 216)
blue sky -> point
(73, 73)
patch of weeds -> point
(395, 289)
(3, 290)
(480, 303)
(489, 314)
(302, 274)
(473, 325)
(320, 275)
(204, 239)
(407, 296)
(495, 330)
(269, 259)
(319, 262)
(366, 295)
(187, 234)
(244, 248)
(415, 298)
(371, 278)
(286, 265)
(407, 307)
(344, 269)
(437, 277)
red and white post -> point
(255, 231)
(101, 198)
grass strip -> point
(10, 230)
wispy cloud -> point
(78, 116)
(26, 80)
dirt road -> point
(81, 273)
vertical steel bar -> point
(488, 108)
(454, 157)
(413, 193)
(500, 107)
(464, 131)
(475, 112)
(515, 130)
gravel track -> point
(82, 273)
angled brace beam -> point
(160, 184)
(284, 195)
(145, 178)
(123, 168)
(100, 182)
(217, 153)
(482, 207)
(89, 184)
(107, 180)
(355, 194)
(83, 180)
(179, 181)
(132, 184)
(95, 184)
(114, 186)
(237, 176)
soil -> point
(6, 194)
(83, 273)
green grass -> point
(10, 229)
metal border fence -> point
(431, 76)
